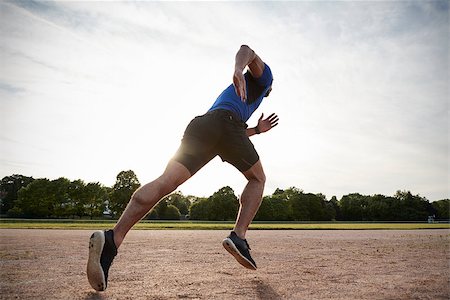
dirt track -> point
(50, 264)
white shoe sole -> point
(94, 269)
(231, 248)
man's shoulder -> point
(266, 78)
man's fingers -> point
(243, 89)
(239, 86)
(241, 93)
(274, 120)
(271, 116)
(236, 89)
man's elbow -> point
(246, 48)
(249, 51)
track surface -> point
(350, 264)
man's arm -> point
(246, 57)
(263, 125)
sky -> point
(89, 89)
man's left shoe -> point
(239, 248)
(102, 251)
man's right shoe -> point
(239, 248)
(102, 251)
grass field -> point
(200, 225)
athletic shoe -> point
(102, 251)
(239, 248)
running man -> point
(221, 131)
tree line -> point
(26, 197)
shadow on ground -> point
(265, 291)
(94, 296)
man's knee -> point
(153, 190)
(256, 173)
(139, 197)
(166, 185)
(174, 175)
(260, 177)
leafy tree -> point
(60, 198)
(278, 192)
(161, 208)
(293, 204)
(329, 213)
(37, 200)
(354, 207)
(9, 186)
(274, 208)
(378, 208)
(402, 207)
(181, 202)
(334, 203)
(126, 184)
(317, 206)
(22, 196)
(15, 212)
(165, 211)
(224, 205)
(265, 211)
(310, 207)
(77, 199)
(199, 209)
(61, 206)
(96, 199)
(413, 208)
(221, 206)
(43, 198)
(299, 207)
(171, 207)
(152, 215)
(442, 208)
(172, 213)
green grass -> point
(351, 226)
(199, 225)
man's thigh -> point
(198, 145)
(237, 149)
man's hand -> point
(246, 57)
(268, 123)
(239, 85)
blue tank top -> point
(256, 91)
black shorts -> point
(218, 132)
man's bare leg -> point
(148, 196)
(103, 244)
(250, 199)
(235, 243)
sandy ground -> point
(50, 264)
